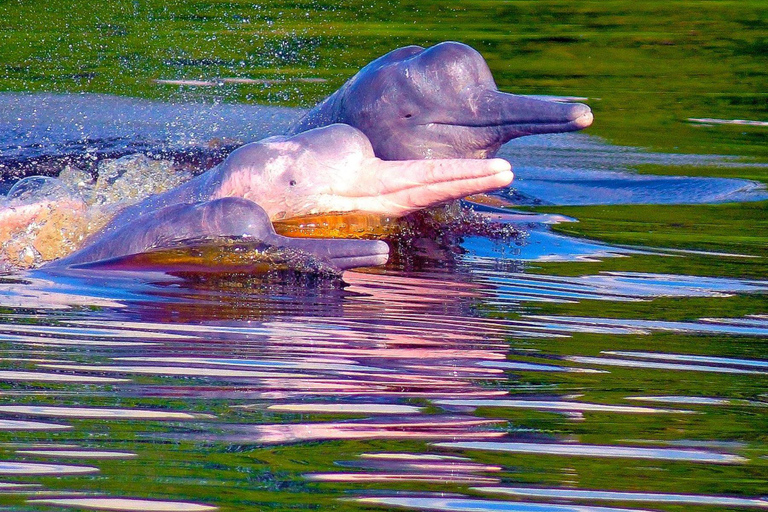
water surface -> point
(388, 388)
(546, 372)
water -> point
(440, 386)
(154, 393)
(39, 132)
(554, 371)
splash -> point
(45, 218)
(41, 219)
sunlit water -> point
(445, 387)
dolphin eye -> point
(292, 183)
(408, 116)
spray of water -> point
(45, 218)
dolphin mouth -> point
(368, 260)
(584, 120)
(521, 129)
(410, 185)
(341, 253)
(515, 116)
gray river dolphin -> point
(182, 225)
(439, 102)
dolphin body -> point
(331, 169)
(440, 102)
(418, 127)
(180, 224)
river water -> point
(460, 385)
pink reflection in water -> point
(400, 477)
(125, 504)
(436, 427)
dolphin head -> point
(439, 102)
(334, 169)
(182, 238)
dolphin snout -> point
(581, 116)
(341, 253)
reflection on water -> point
(29, 425)
(83, 412)
(123, 504)
(581, 170)
(393, 467)
(659, 366)
(396, 380)
(76, 454)
(31, 468)
(628, 452)
(461, 504)
(553, 405)
(626, 496)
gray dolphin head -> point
(181, 224)
(439, 102)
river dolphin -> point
(326, 170)
(331, 169)
(181, 224)
(440, 102)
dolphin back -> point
(172, 225)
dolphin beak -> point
(342, 254)
(516, 116)
(399, 187)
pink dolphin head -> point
(333, 170)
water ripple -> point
(8, 467)
(6, 487)
(598, 324)
(78, 454)
(462, 504)
(125, 504)
(12, 375)
(586, 450)
(428, 427)
(99, 413)
(553, 405)
(30, 425)
(696, 400)
(392, 361)
(352, 408)
(578, 494)
(750, 363)
(630, 363)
